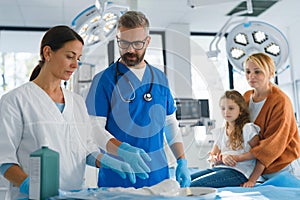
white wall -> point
(179, 60)
(288, 79)
(294, 42)
(179, 66)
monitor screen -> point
(204, 108)
(191, 109)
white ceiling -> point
(207, 18)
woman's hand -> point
(228, 160)
(236, 158)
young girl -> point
(236, 137)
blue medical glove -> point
(136, 157)
(91, 159)
(120, 167)
(182, 173)
(4, 167)
(24, 187)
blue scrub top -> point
(139, 123)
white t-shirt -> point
(255, 107)
(220, 137)
(138, 72)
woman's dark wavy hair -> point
(55, 38)
(236, 139)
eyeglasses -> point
(137, 45)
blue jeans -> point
(217, 177)
(293, 168)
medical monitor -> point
(191, 109)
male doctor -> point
(132, 103)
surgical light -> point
(250, 37)
(97, 23)
(263, 37)
(214, 45)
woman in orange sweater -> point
(271, 109)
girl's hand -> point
(248, 184)
(213, 159)
(218, 159)
(228, 160)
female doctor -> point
(41, 112)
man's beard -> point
(132, 63)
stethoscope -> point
(147, 96)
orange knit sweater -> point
(279, 138)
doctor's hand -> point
(182, 173)
(24, 187)
(136, 157)
(120, 167)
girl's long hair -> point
(236, 139)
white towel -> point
(167, 187)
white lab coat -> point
(29, 119)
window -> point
(240, 82)
(19, 54)
(15, 69)
(154, 54)
(200, 45)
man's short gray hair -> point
(134, 19)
